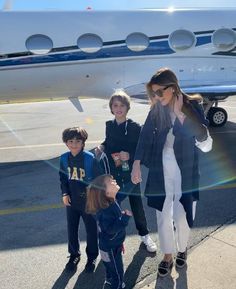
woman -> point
(173, 133)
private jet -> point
(91, 53)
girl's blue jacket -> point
(111, 226)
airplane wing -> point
(213, 92)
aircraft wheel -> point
(217, 116)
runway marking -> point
(87, 142)
(46, 145)
(30, 209)
(59, 206)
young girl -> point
(111, 221)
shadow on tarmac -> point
(181, 282)
(95, 280)
(85, 280)
(133, 270)
(63, 279)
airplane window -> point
(39, 44)
(224, 39)
(180, 40)
(137, 41)
(89, 43)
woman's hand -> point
(178, 108)
(124, 156)
(136, 173)
(178, 104)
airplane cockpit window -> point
(224, 39)
(89, 43)
(137, 41)
(39, 44)
(181, 39)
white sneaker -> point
(150, 245)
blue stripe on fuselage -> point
(160, 47)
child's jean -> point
(113, 263)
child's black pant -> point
(136, 205)
(73, 219)
(113, 263)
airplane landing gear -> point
(217, 116)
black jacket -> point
(151, 143)
(111, 227)
(122, 137)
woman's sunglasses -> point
(160, 92)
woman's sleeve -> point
(144, 139)
(133, 141)
(196, 124)
(206, 145)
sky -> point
(112, 4)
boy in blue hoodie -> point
(77, 168)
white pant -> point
(173, 214)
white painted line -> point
(46, 145)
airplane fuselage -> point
(90, 53)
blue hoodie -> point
(111, 226)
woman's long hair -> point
(161, 114)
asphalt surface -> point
(33, 238)
(210, 264)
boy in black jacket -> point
(122, 136)
(77, 169)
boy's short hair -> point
(78, 133)
(121, 96)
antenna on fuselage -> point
(7, 5)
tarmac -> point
(211, 265)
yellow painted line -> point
(46, 145)
(58, 206)
(30, 209)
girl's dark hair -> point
(78, 133)
(96, 195)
